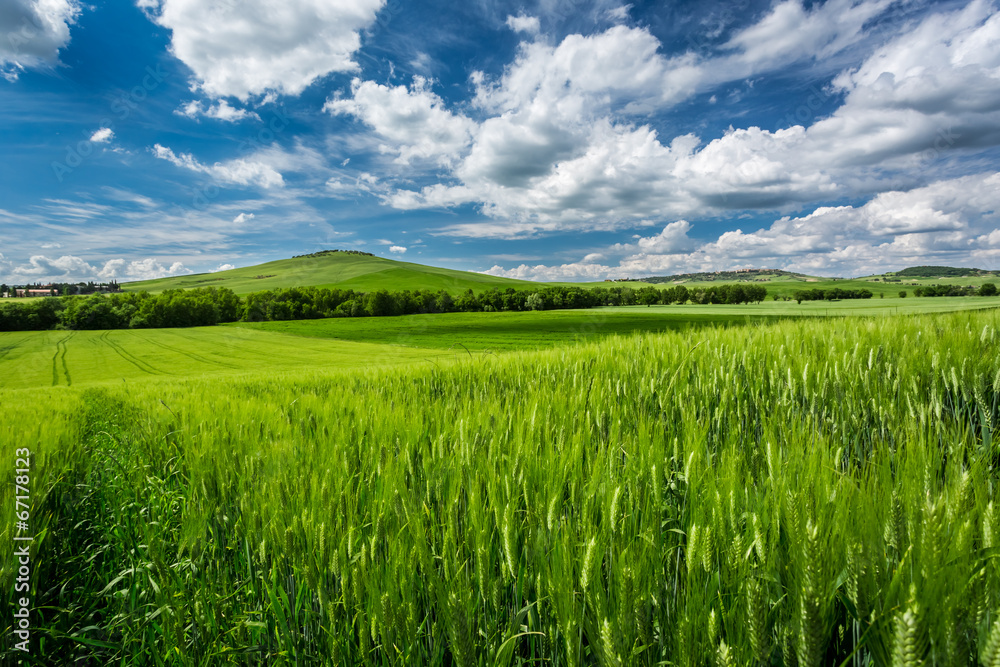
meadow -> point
(80, 358)
(534, 330)
(807, 491)
(35, 359)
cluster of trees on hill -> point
(321, 253)
(834, 294)
(987, 289)
(212, 305)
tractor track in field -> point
(248, 357)
(59, 359)
(4, 351)
(128, 356)
(189, 355)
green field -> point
(687, 485)
(532, 330)
(72, 358)
(505, 330)
(50, 358)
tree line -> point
(205, 306)
(834, 294)
(986, 289)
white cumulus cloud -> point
(32, 32)
(556, 142)
(522, 23)
(412, 121)
(253, 47)
(142, 269)
(70, 268)
(947, 222)
(102, 136)
(397, 249)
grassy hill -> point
(333, 269)
(364, 272)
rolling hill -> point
(364, 272)
(346, 270)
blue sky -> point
(549, 139)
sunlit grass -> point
(34, 359)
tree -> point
(902, 294)
(467, 302)
(681, 294)
(535, 301)
(988, 289)
(649, 295)
(443, 303)
(380, 303)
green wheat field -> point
(635, 486)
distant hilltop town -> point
(57, 289)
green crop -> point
(817, 492)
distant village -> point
(57, 289)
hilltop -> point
(346, 269)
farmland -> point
(779, 491)
(79, 358)
(531, 330)
(73, 358)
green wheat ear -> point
(811, 623)
(757, 620)
(990, 656)
(908, 649)
(611, 657)
(723, 656)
